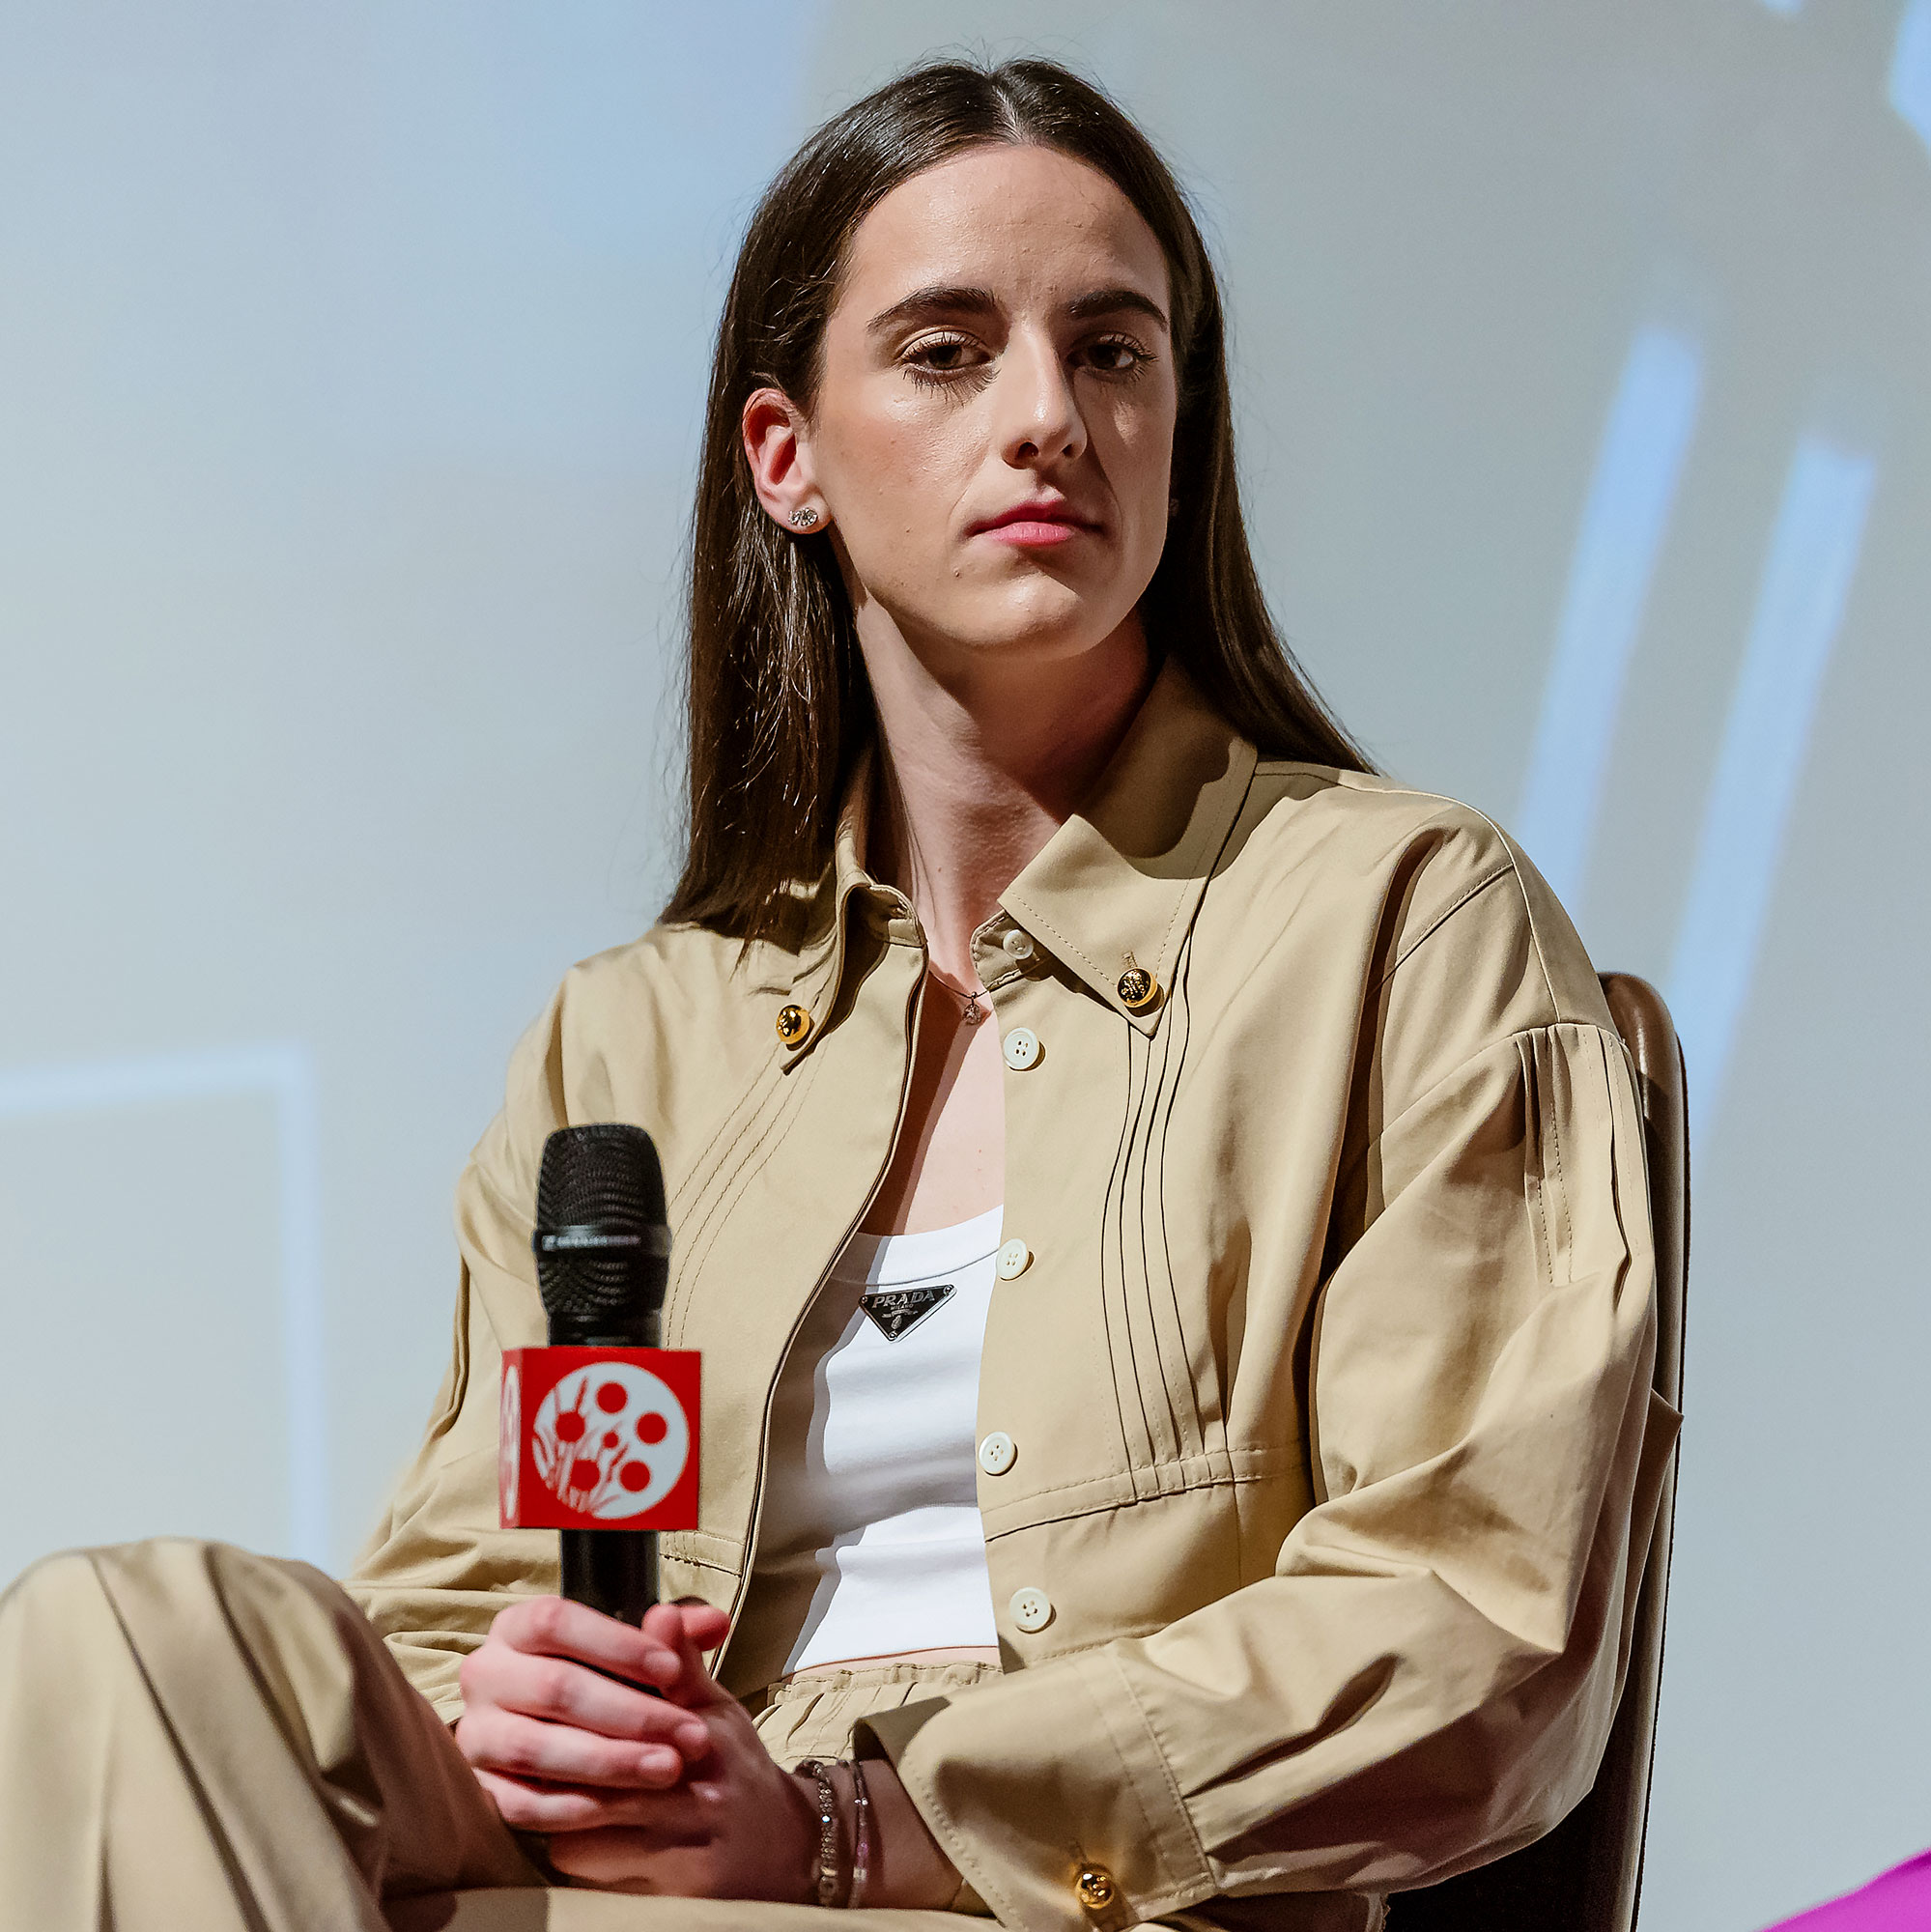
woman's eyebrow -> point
(943, 299)
(930, 303)
(1111, 301)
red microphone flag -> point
(599, 1438)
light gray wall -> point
(351, 363)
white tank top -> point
(881, 1509)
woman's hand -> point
(559, 1745)
(736, 1825)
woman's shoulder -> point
(675, 983)
(1433, 883)
(1370, 811)
(657, 1028)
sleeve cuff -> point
(1033, 1781)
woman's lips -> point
(1037, 524)
(1036, 531)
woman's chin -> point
(1043, 621)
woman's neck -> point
(982, 761)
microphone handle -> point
(613, 1570)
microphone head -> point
(603, 1251)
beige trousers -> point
(195, 1739)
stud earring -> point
(804, 519)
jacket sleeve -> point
(438, 1567)
(1428, 1676)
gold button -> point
(1139, 989)
(794, 1025)
(1095, 1888)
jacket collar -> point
(1121, 879)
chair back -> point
(1586, 1875)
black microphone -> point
(603, 1258)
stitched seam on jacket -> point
(1105, 1505)
(1215, 1481)
(1562, 1189)
(1532, 1178)
(766, 1095)
(1252, 1453)
(1136, 1155)
(703, 1563)
(725, 1187)
(742, 1121)
(1120, 1155)
(1189, 864)
(1178, 1373)
(1455, 1072)
(1442, 918)
(1066, 947)
(1179, 1888)
(732, 1188)
(695, 1176)
(1171, 1889)
(1183, 971)
(1508, 846)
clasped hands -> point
(674, 1794)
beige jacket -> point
(1324, 1332)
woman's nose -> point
(1038, 414)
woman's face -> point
(993, 435)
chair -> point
(1586, 1875)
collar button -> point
(1097, 1887)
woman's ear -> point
(778, 448)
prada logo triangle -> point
(897, 1311)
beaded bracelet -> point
(830, 1839)
(828, 1829)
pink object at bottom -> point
(1898, 1900)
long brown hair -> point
(778, 703)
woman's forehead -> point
(1017, 220)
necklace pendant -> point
(973, 1015)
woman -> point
(1162, 1208)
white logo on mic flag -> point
(610, 1439)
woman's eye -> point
(939, 356)
(1117, 357)
(948, 357)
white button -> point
(1017, 944)
(998, 1453)
(1032, 1609)
(1014, 1257)
(1022, 1048)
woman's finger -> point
(693, 1686)
(493, 1738)
(632, 1861)
(554, 1626)
(560, 1690)
(529, 1807)
(704, 1624)
(664, 1819)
